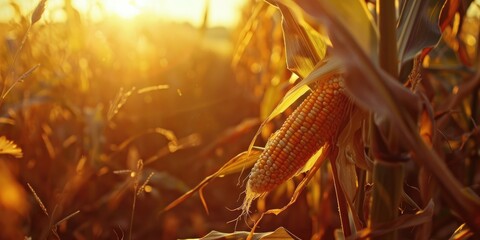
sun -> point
(124, 8)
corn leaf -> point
(448, 13)
(271, 97)
(325, 153)
(462, 233)
(230, 135)
(288, 100)
(353, 15)
(166, 181)
(321, 72)
(347, 174)
(304, 46)
(344, 171)
(403, 221)
(169, 135)
(465, 90)
(279, 233)
(418, 27)
(310, 162)
(234, 165)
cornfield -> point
(343, 119)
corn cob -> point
(317, 120)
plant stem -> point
(133, 207)
(388, 36)
(11, 69)
(388, 174)
(386, 195)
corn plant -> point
(370, 113)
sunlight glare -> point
(221, 12)
(124, 8)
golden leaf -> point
(10, 148)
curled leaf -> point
(304, 46)
(353, 15)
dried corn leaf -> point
(403, 221)
(310, 162)
(448, 13)
(279, 233)
(464, 91)
(344, 171)
(191, 140)
(169, 135)
(418, 27)
(462, 233)
(353, 15)
(325, 153)
(322, 71)
(304, 46)
(166, 181)
(234, 165)
(347, 174)
(231, 134)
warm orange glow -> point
(125, 8)
(221, 12)
(13, 195)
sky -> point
(222, 12)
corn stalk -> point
(388, 170)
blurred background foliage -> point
(108, 93)
(183, 99)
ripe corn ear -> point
(317, 120)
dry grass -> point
(75, 127)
